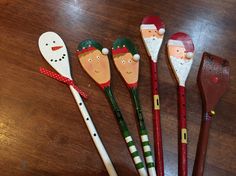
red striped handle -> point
(156, 122)
(182, 133)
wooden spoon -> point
(180, 51)
(152, 30)
(126, 59)
(54, 51)
(93, 58)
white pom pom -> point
(136, 57)
(161, 31)
(105, 51)
(189, 55)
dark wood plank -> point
(41, 130)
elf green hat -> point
(89, 45)
(124, 45)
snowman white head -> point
(53, 49)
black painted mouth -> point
(60, 59)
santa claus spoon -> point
(152, 30)
(213, 80)
(127, 63)
(180, 51)
(93, 58)
(54, 51)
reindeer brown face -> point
(213, 79)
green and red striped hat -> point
(124, 45)
(89, 45)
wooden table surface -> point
(42, 132)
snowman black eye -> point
(54, 42)
(46, 44)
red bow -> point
(62, 79)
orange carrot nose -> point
(54, 48)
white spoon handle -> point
(93, 132)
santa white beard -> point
(153, 45)
(181, 67)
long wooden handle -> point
(93, 133)
(143, 132)
(157, 121)
(199, 163)
(183, 164)
(126, 134)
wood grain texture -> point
(41, 130)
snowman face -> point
(96, 65)
(54, 51)
(127, 67)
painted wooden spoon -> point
(93, 58)
(213, 80)
(126, 59)
(152, 31)
(180, 51)
(54, 51)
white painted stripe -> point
(132, 149)
(144, 138)
(137, 160)
(146, 148)
(142, 172)
(128, 139)
(149, 159)
(152, 171)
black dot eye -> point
(51, 60)
(46, 44)
(55, 60)
(59, 59)
(62, 57)
(149, 31)
(54, 42)
(177, 50)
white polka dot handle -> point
(54, 51)
(92, 130)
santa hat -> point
(124, 45)
(184, 40)
(153, 22)
(90, 45)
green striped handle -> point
(143, 134)
(126, 134)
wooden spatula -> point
(180, 52)
(213, 80)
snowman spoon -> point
(126, 61)
(213, 80)
(54, 51)
(152, 31)
(93, 58)
(180, 51)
